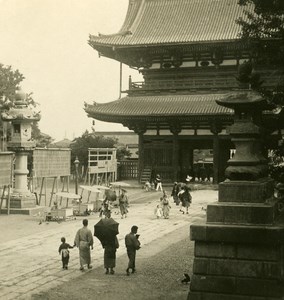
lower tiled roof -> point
(158, 106)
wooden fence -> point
(127, 169)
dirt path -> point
(160, 268)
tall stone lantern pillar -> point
(21, 118)
(239, 252)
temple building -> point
(188, 52)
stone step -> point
(242, 213)
(33, 211)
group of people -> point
(107, 204)
(200, 172)
(155, 185)
(163, 208)
(84, 238)
(181, 196)
(84, 242)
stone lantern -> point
(239, 251)
(21, 118)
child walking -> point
(158, 211)
(63, 250)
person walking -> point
(110, 247)
(165, 205)
(106, 208)
(159, 183)
(132, 244)
(158, 211)
(174, 194)
(84, 241)
(63, 250)
(147, 186)
(123, 203)
(186, 198)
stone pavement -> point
(30, 262)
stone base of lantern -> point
(18, 200)
(239, 252)
(24, 204)
(37, 211)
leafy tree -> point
(263, 30)
(122, 153)
(9, 83)
(42, 140)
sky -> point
(47, 41)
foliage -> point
(88, 140)
(42, 140)
(9, 83)
(265, 22)
(276, 163)
(263, 30)
(122, 153)
(246, 75)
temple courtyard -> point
(31, 266)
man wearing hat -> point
(123, 203)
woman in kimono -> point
(84, 241)
(165, 205)
(110, 247)
(186, 198)
(123, 203)
(175, 192)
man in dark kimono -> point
(132, 245)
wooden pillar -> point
(139, 129)
(216, 163)
(175, 157)
(224, 156)
(190, 157)
(216, 128)
(175, 130)
(141, 155)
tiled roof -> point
(154, 22)
(158, 106)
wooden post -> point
(141, 156)
(52, 190)
(2, 197)
(215, 159)
(216, 128)
(41, 187)
(175, 157)
(175, 130)
(8, 200)
(120, 79)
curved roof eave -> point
(158, 106)
(158, 22)
(97, 45)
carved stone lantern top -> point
(21, 117)
(244, 101)
(21, 111)
(248, 162)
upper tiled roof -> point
(158, 106)
(154, 22)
